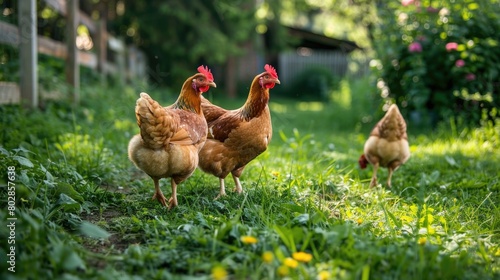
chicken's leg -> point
(172, 202)
(392, 167)
(237, 184)
(158, 195)
(389, 177)
(373, 183)
(222, 189)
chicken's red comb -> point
(271, 71)
(205, 71)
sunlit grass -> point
(306, 212)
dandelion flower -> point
(248, 239)
(275, 174)
(359, 221)
(219, 273)
(324, 275)
(422, 241)
(283, 271)
(291, 263)
(267, 257)
(302, 257)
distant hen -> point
(387, 145)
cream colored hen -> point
(387, 145)
(172, 136)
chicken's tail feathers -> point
(363, 162)
(146, 109)
(156, 124)
(396, 115)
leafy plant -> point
(440, 59)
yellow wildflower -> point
(290, 263)
(283, 271)
(497, 253)
(324, 275)
(406, 218)
(267, 257)
(422, 240)
(248, 239)
(219, 273)
(302, 257)
(359, 221)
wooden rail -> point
(29, 43)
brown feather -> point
(236, 137)
(157, 124)
(211, 111)
(221, 121)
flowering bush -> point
(440, 61)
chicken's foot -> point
(158, 195)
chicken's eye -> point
(201, 79)
(266, 76)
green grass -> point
(84, 211)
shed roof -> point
(313, 40)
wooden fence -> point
(129, 62)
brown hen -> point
(236, 137)
(387, 145)
(172, 136)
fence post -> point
(101, 42)
(72, 63)
(28, 52)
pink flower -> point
(407, 2)
(451, 46)
(415, 47)
(432, 10)
(470, 77)
(460, 63)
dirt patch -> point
(114, 245)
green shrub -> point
(441, 61)
(315, 83)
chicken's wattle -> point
(203, 88)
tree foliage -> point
(178, 35)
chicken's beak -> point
(277, 81)
(212, 84)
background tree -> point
(179, 34)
